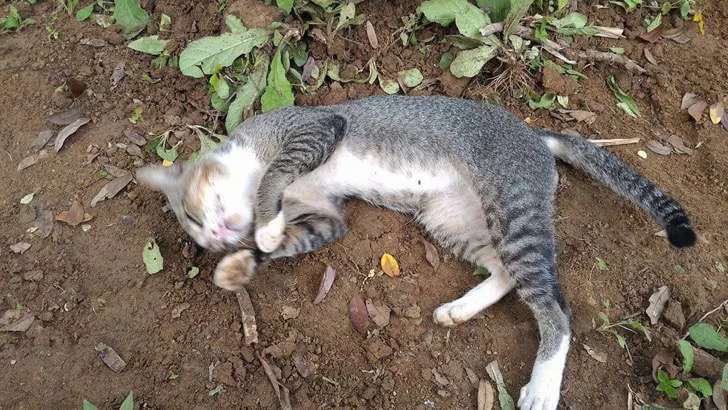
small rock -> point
(377, 350)
(20, 247)
(33, 275)
(134, 150)
(369, 393)
(135, 136)
(674, 315)
(289, 312)
(189, 250)
(440, 379)
(46, 316)
(14, 320)
(177, 311)
(412, 312)
(109, 356)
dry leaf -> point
(433, 258)
(719, 396)
(111, 189)
(688, 100)
(471, 375)
(117, 75)
(390, 266)
(65, 117)
(327, 279)
(41, 140)
(93, 42)
(650, 57)
(68, 131)
(110, 357)
(664, 359)
(678, 35)
(114, 171)
(372, 35)
(658, 148)
(601, 357)
(379, 313)
(696, 110)
(657, 304)
(16, 320)
(274, 374)
(177, 311)
(20, 247)
(27, 162)
(678, 145)
(247, 316)
(486, 395)
(75, 215)
(716, 112)
(358, 314)
(43, 222)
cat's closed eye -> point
(191, 217)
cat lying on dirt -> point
(478, 179)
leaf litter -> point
(20, 247)
(112, 188)
(75, 215)
(378, 312)
(431, 254)
(658, 300)
(389, 265)
(358, 314)
(152, 257)
(247, 317)
(327, 280)
(65, 117)
(69, 130)
(505, 399)
(274, 375)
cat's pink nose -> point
(219, 232)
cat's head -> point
(213, 198)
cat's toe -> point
(235, 271)
(453, 313)
(539, 395)
(270, 236)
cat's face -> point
(213, 198)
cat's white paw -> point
(235, 270)
(455, 312)
(539, 394)
(270, 236)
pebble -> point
(674, 315)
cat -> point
(478, 179)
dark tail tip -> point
(680, 233)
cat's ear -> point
(159, 178)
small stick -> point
(250, 330)
(608, 57)
(282, 392)
(486, 395)
(615, 141)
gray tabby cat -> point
(476, 177)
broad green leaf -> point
(201, 56)
(285, 5)
(223, 88)
(388, 85)
(563, 100)
(153, 261)
(130, 16)
(469, 62)
(234, 24)
(84, 13)
(638, 326)
(149, 45)
(688, 356)
(685, 9)
(724, 377)
(701, 386)
(411, 78)
(445, 61)
(616, 50)
(164, 22)
(571, 20)
(278, 92)
(218, 104)
(497, 9)
(128, 403)
(25, 200)
(468, 18)
(626, 102)
(166, 154)
(601, 264)
(705, 335)
(209, 141)
(655, 23)
(87, 405)
(242, 105)
(516, 13)
(545, 101)
(347, 13)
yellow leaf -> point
(167, 163)
(716, 112)
(698, 18)
(390, 266)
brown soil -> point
(94, 287)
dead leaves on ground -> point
(327, 280)
(668, 145)
(75, 215)
(389, 265)
(696, 107)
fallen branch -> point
(607, 57)
(250, 330)
(614, 141)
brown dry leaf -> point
(486, 395)
(678, 35)
(696, 110)
(109, 356)
(650, 57)
(372, 35)
(114, 171)
(117, 75)
(657, 304)
(177, 311)
(247, 316)
(472, 377)
(20, 247)
(716, 112)
(658, 148)
(74, 215)
(308, 71)
(27, 162)
(43, 222)
(112, 188)
(433, 258)
(688, 100)
(327, 280)
(274, 375)
(601, 357)
(65, 117)
(16, 320)
(358, 314)
(583, 116)
(41, 140)
(664, 359)
(390, 266)
(652, 36)
(719, 396)
(678, 145)
(69, 130)
(93, 42)
(379, 313)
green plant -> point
(14, 21)
(127, 404)
(628, 324)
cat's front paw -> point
(270, 236)
(235, 270)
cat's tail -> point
(621, 178)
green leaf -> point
(638, 326)
(626, 102)
(410, 78)
(285, 5)
(347, 13)
(497, 9)
(482, 272)
(193, 272)
(655, 23)
(686, 350)
(234, 24)
(278, 92)
(223, 88)
(705, 335)
(724, 377)
(445, 61)
(218, 104)
(518, 10)
(130, 16)
(242, 105)
(601, 264)
(154, 263)
(25, 200)
(164, 22)
(87, 405)
(201, 56)
(701, 386)
(685, 9)
(128, 403)
(468, 63)
(616, 50)
(161, 150)
(571, 20)
(85, 12)
(545, 101)
(719, 267)
(563, 100)
(387, 85)
(149, 45)
(136, 114)
(216, 391)
(468, 18)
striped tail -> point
(622, 179)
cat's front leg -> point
(235, 270)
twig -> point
(615, 141)
(250, 330)
(717, 308)
(282, 392)
(607, 57)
